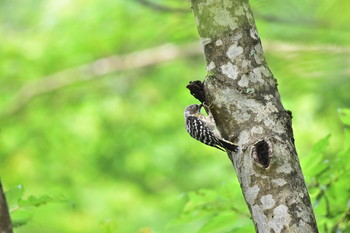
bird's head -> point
(192, 109)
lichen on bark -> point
(244, 101)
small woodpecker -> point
(202, 128)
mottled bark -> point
(5, 222)
(243, 97)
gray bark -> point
(5, 221)
(245, 103)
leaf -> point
(315, 161)
(344, 153)
(200, 204)
(347, 140)
(320, 146)
(20, 208)
(219, 223)
(344, 115)
(108, 226)
(13, 196)
(35, 201)
(41, 200)
(20, 217)
(341, 163)
(243, 226)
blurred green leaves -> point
(216, 210)
(327, 178)
(316, 161)
(116, 145)
(14, 195)
(344, 114)
(21, 209)
(108, 226)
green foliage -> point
(328, 183)
(116, 145)
(108, 226)
(345, 115)
(21, 209)
(316, 162)
(14, 195)
(222, 210)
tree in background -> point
(5, 221)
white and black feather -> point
(201, 128)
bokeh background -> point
(91, 113)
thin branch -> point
(240, 212)
(5, 221)
(159, 7)
(343, 219)
(290, 21)
(278, 46)
(99, 68)
(265, 17)
(135, 60)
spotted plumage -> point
(202, 127)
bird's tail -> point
(228, 145)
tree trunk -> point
(5, 222)
(244, 100)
